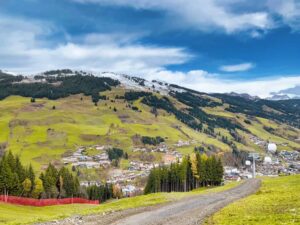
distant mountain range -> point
(290, 93)
(244, 95)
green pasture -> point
(277, 202)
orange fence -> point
(44, 202)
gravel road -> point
(188, 211)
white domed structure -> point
(248, 163)
(267, 159)
(272, 147)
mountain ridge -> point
(60, 110)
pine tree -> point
(202, 170)
(183, 174)
(194, 168)
(220, 171)
(9, 182)
(150, 184)
(214, 172)
(49, 181)
(20, 169)
(30, 174)
(11, 161)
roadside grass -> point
(16, 214)
(277, 202)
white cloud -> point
(212, 83)
(230, 16)
(238, 67)
(288, 10)
(23, 49)
(204, 15)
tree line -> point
(65, 86)
(134, 95)
(194, 171)
(18, 180)
(152, 140)
(104, 192)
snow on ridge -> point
(9, 72)
(124, 80)
(138, 83)
(127, 81)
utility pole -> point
(254, 156)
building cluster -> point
(283, 162)
(125, 177)
(142, 166)
(162, 147)
(181, 143)
(233, 173)
(81, 160)
(171, 155)
(90, 183)
(130, 190)
(290, 156)
(292, 159)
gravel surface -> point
(189, 211)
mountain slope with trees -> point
(48, 116)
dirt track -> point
(186, 211)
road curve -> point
(187, 211)
(191, 211)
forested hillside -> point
(46, 117)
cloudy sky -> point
(208, 45)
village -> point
(272, 163)
(124, 178)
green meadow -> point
(277, 202)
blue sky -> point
(208, 45)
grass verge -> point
(277, 202)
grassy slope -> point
(277, 202)
(14, 214)
(25, 127)
(40, 134)
(283, 132)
